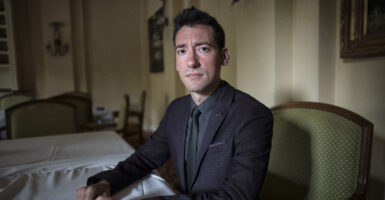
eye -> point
(204, 49)
(180, 51)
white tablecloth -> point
(54, 167)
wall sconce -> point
(57, 48)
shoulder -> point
(246, 105)
(241, 100)
(179, 106)
(180, 102)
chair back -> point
(12, 99)
(124, 109)
(319, 151)
(141, 112)
(40, 118)
(135, 125)
(82, 104)
(78, 93)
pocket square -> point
(217, 143)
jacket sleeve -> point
(249, 163)
(151, 155)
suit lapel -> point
(180, 140)
(216, 119)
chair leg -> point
(140, 135)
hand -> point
(104, 196)
(93, 191)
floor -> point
(167, 171)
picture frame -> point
(362, 28)
(155, 27)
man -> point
(219, 137)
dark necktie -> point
(192, 147)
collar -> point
(209, 103)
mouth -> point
(194, 75)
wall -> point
(27, 58)
(283, 51)
(104, 55)
(38, 70)
(113, 51)
(255, 49)
(58, 70)
(81, 71)
(305, 50)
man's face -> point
(198, 59)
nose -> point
(192, 60)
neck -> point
(199, 97)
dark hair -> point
(192, 16)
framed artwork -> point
(155, 27)
(362, 28)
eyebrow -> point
(197, 44)
(180, 46)
(204, 43)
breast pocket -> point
(219, 146)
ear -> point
(225, 56)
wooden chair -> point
(40, 118)
(83, 106)
(122, 115)
(319, 151)
(135, 120)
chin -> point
(199, 90)
(194, 89)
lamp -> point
(57, 48)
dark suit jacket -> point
(232, 160)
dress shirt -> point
(206, 108)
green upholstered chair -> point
(40, 118)
(9, 100)
(82, 104)
(78, 93)
(12, 99)
(319, 151)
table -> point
(102, 116)
(54, 167)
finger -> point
(101, 197)
(80, 193)
(90, 193)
